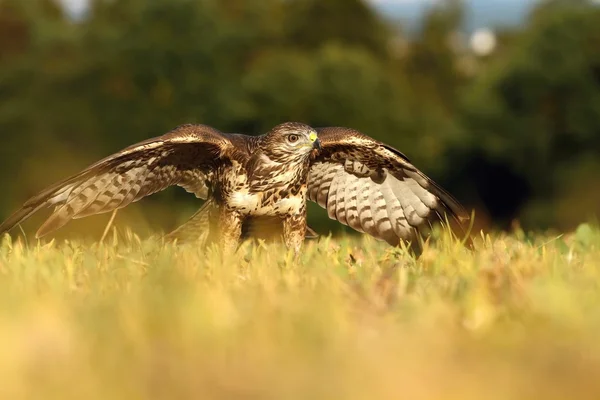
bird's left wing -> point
(186, 157)
(373, 188)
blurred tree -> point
(332, 86)
(14, 31)
(34, 48)
(312, 23)
(538, 111)
(432, 62)
(430, 71)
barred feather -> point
(183, 157)
(373, 188)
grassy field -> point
(518, 318)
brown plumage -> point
(255, 182)
(373, 188)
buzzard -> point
(256, 181)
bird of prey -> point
(249, 181)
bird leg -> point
(294, 230)
(230, 229)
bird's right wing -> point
(186, 156)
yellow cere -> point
(312, 137)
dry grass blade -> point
(351, 319)
(109, 225)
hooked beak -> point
(317, 144)
(315, 141)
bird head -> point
(290, 141)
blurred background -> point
(497, 100)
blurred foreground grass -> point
(518, 318)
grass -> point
(518, 318)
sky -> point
(479, 13)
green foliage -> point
(312, 23)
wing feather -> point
(341, 199)
(186, 156)
(319, 181)
(374, 188)
(352, 206)
(394, 211)
(331, 202)
(365, 215)
(330, 174)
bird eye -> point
(293, 138)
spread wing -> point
(186, 157)
(373, 188)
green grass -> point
(518, 318)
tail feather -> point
(311, 233)
(57, 220)
(197, 228)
